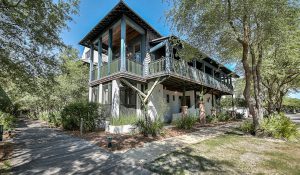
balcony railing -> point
(176, 67)
(131, 66)
(182, 69)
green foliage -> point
(279, 126)
(186, 122)
(72, 113)
(221, 117)
(291, 103)
(238, 102)
(123, 120)
(247, 126)
(29, 36)
(7, 120)
(151, 127)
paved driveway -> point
(294, 117)
(42, 150)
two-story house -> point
(132, 65)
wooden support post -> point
(99, 56)
(123, 44)
(92, 62)
(184, 108)
(110, 40)
(168, 65)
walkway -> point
(153, 150)
(40, 150)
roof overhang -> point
(114, 15)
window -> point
(173, 97)
(95, 95)
(106, 93)
(168, 98)
(127, 97)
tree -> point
(29, 38)
(281, 72)
(236, 29)
(70, 84)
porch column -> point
(100, 88)
(115, 99)
(110, 38)
(138, 102)
(99, 56)
(91, 71)
(123, 44)
(183, 105)
(92, 62)
(90, 93)
(230, 80)
(143, 48)
(168, 56)
(213, 110)
(202, 114)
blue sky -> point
(92, 11)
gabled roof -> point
(114, 15)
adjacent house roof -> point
(114, 15)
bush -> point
(55, 118)
(186, 122)
(71, 115)
(279, 126)
(123, 120)
(7, 120)
(222, 117)
(247, 127)
(153, 127)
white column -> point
(100, 93)
(115, 100)
(90, 93)
(138, 102)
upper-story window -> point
(208, 70)
(88, 54)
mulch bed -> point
(126, 141)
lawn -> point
(232, 154)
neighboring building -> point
(131, 57)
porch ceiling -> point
(114, 15)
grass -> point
(232, 154)
(123, 120)
(5, 167)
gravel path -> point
(41, 150)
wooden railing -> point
(157, 66)
(134, 67)
(181, 68)
(131, 66)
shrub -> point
(123, 120)
(55, 118)
(152, 127)
(7, 120)
(89, 111)
(279, 126)
(186, 122)
(222, 117)
(247, 127)
(44, 116)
